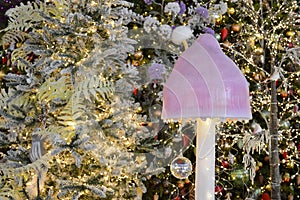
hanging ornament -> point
(286, 177)
(155, 72)
(298, 179)
(138, 55)
(265, 196)
(295, 108)
(180, 184)
(155, 197)
(230, 11)
(37, 149)
(155, 113)
(4, 60)
(290, 45)
(218, 189)
(135, 91)
(259, 51)
(225, 163)
(261, 179)
(177, 198)
(290, 33)
(219, 20)
(285, 124)
(224, 33)
(218, 36)
(290, 197)
(181, 167)
(285, 154)
(136, 63)
(236, 27)
(284, 94)
(1, 75)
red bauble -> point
(224, 33)
(177, 198)
(225, 163)
(218, 189)
(135, 91)
(4, 60)
(285, 155)
(265, 196)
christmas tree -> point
(70, 127)
(81, 99)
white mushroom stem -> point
(185, 44)
(205, 160)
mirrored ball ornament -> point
(181, 167)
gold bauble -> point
(219, 20)
(236, 27)
(259, 51)
(230, 11)
(290, 33)
(138, 55)
(1, 75)
(136, 63)
(19, 44)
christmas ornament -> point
(285, 124)
(155, 197)
(37, 149)
(298, 179)
(136, 63)
(180, 184)
(155, 71)
(265, 196)
(4, 60)
(284, 94)
(138, 55)
(295, 108)
(218, 189)
(218, 36)
(1, 75)
(259, 51)
(261, 179)
(290, 33)
(225, 163)
(224, 33)
(286, 177)
(181, 167)
(135, 91)
(290, 197)
(236, 27)
(155, 112)
(230, 11)
(177, 198)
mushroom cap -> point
(205, 83)
(180, 34)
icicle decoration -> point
(37, 150)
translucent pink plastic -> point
(205, 83)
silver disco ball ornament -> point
(181, 167)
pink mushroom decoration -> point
(207, 86)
